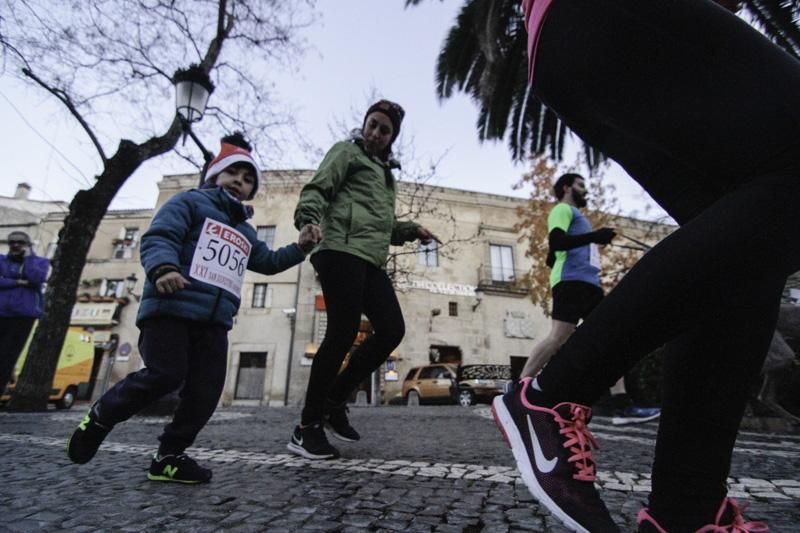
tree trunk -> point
(86, 211)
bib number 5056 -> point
(225, 256)
(220, 257)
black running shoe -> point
(553, 450)
(337, 423)
(635, 415)
(621, 409)
(178, 468)
(311, 443)
(86, 439)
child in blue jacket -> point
(194, 254)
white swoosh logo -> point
(545, 466)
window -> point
(453, 307)
(502, 263)
(261, 295)
(266, 234)
(428, 254)
(429, 372)
(435, 372)
(131, 234)
(112, 288)
(124, 245)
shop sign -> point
(93, 314)
(439, 287)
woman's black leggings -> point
(704, 113)
(351, 286)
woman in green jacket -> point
(352, 201)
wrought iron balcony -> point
(501, 280)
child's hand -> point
(310, 236)
(171, 282)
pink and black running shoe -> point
(553, 450)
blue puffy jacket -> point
(171, 240)
(16, 300)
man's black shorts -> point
(574, 300)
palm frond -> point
(779, 20)
(485, 56)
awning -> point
(93, 314)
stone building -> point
(20, 213)
(462, 300)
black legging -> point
(350, 286)
(704, 113)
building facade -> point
(462, 299)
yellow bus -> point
(74, 372)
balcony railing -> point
(501, 280)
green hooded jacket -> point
(352, 198)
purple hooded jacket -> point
(16, 300)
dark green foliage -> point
(779, 20)
(485, 56)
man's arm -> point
(559, 240)
(35, 271)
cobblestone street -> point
(442, 468)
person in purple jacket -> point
(195, 254)
(22, 274)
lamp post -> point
(130, 285)
(478, 299)
(192, 89)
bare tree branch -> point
(65, 99)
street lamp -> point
(192, 89)
(478, 299)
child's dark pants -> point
(176, 353)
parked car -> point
(429, 384)
(479, 383)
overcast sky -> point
(357, 46)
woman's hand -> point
(310, 236)
(425, 236)
(171, 282)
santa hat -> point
(230, 154)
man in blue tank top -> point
(575, 283)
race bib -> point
(220, 258)
(594, 255)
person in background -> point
(574, 258)
(22, 274)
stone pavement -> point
(442, 469)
